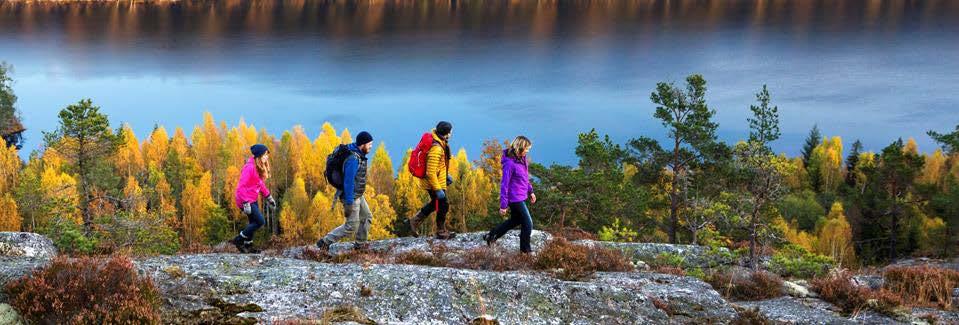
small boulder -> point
(26, 244)
(9, 316)
(795, 289)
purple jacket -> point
(515, 186)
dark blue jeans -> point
(518, 216)
(256, 221)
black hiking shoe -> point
(323, 245)
(447, 236)
(489, 239)
(248, 246)
(238, 243)
(414, 224)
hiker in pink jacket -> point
(248, 191)
(515, 189)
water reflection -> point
(123, 21)
(859, 68)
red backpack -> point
(417, 164)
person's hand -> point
(441, 194)
(503, 211)
(532, 198)
(271, 202)
(247, 208)
(449, 180)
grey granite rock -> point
(26, 244)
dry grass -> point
(415, 257)
(758, 285)
(351, 256)
(922, 285)
(487, 259)
(342, 314)
(839, 289)
(674, 270)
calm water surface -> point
(872, 70)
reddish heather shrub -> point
(575, 262)
(758, 285)
(609, 260)
(665, 269)
(351, 256)
(490, 260)
(415, 257)
(922, 285)
(567, 260)
(86, 290)
(838, 289)
(886, 301)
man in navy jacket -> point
(357, 211)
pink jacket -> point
(250, 186)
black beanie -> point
(444, 128)
(363, 138)
(258, 150)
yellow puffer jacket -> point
(437, 165)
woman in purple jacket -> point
(515, 189)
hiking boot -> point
(322, 245)
(248, 246)
(414, 223)
(489, 239)
(238, 243)
(445, 235)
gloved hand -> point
(247, 208)
(271, 202)
(441, 194)
(449, 180)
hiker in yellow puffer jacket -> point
(436, 181)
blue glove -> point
(449, 180)
(441, 194)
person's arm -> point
(504, 185)
(433, 160)
(262, 185)
(350, 166)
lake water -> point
(871, 70)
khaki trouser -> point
(358, 219)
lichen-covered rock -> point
(693, 256)
(873, 282)
(297, 289)
(26, 244)
(950, 263)
(9, 316)
(795, 289)
(12, 268)
(790, 310)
